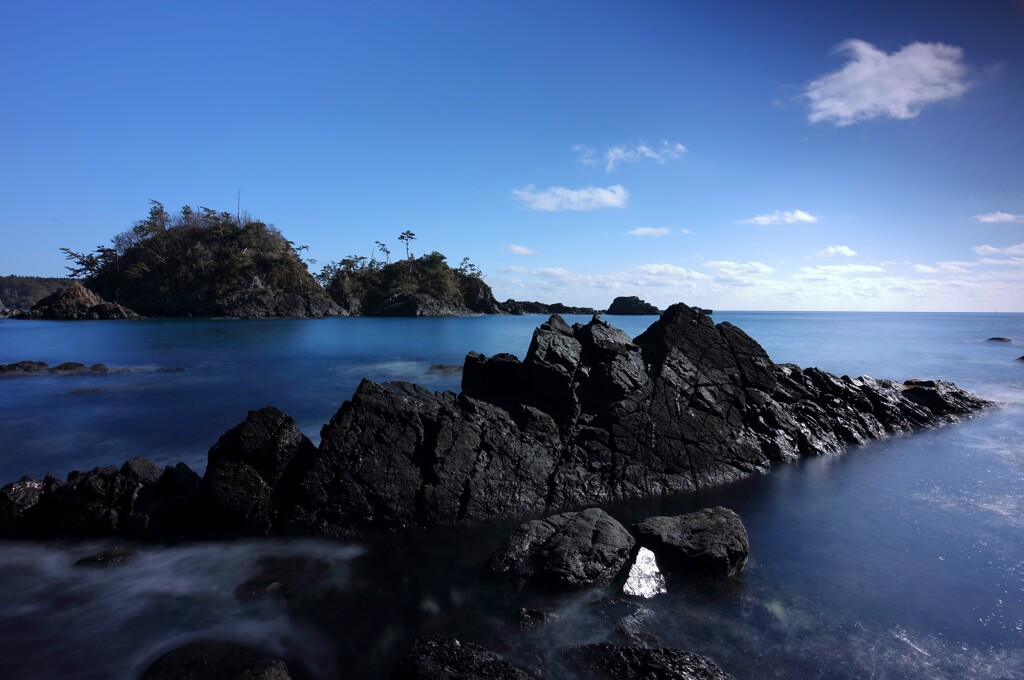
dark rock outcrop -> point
(246, 467)
(511, 306)
(216, 660)
(589, 416)
(1000, 339)
(76, 302)
(605, 660)
(631, 305)
(709, 542)
(444, 658)
(565, 552)
(66, 368)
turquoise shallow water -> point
(903, 558)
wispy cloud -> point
(629, 153)
(648, 231)
(782, 217)
(686, 232)
(739, 273)
(829, 271)
(832, 251)
(1016, 250)
(519, 250)
(999, 217)
(561, 198)
(874, 84)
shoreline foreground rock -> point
(588, 417)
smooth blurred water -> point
(903, 558)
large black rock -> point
(565, 552)
(709, 542)
(589, 416)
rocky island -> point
(588, 417)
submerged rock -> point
(532, 619)
(76, 302)
(444, 658)
(565, 552)
(216, 660)
(111, 557)
(709, 542)
(589, 416)
(632, 305)
(605, 660)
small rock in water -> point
(531, 619)
(999, 339)
(110, 557)
(644, 580)
(441, 657)
(709, 542)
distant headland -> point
(204, 263)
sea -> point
(901, 558)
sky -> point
(852, 156)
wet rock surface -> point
(565, 552)
(216, 660)
(606, 660)
(709, 542)
(588, 417)
(441, 658)
(76, 302)
(511, 306)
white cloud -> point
(635, 153)
(561, 198)
(832, 251)
(874, 84)
(1010, 250)
(782, 216)
(519, 250)
(685, 232)
(648, 231)
(999, 217)
(585, 155)
(925, 269)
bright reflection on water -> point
(900, 559)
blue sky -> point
(735, 155)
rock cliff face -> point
(589, 416)
(76, 302)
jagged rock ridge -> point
(589, 416)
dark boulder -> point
(216, 660)
(999, 339)
(566, 552)
(605, 660)
(709, 542)
(244, 482)
(445, 658)
(418, 304)
(76, 302)
(631, 305)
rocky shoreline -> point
(588, 417)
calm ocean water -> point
(903, 558)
